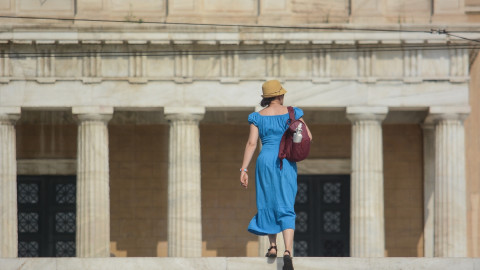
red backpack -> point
(299, 149)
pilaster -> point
(367, 230)
(184, 182)
(428, 187)
(93, 191)
(8, 182)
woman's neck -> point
(275, 102)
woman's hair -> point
(266, 101)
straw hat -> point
(272, 88)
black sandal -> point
(271, 255)
(287, 261)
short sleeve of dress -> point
(253, 118)
(298, 113)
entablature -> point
(182, 61)
(154, 69)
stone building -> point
(122, 131)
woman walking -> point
(276, 187)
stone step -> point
(238, 263)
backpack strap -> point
(291, 114)
(291, 118)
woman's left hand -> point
(244, 179)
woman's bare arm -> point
(249, 150)
(308, 130)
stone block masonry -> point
(223, 263)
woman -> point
(275, 188)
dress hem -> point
(267, 233)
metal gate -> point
(322, 225)
(46, 216)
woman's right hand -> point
(244, 179)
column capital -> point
(184, 113)
(93, 113)
(366, 113)
(9, 115)
(440, 113)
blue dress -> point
(275, 189)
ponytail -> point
(266, 101)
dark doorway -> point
(322, 206)
(46, 216)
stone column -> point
(184, 182)
(8, 183)
(450, 219)
(367, 231)
(428, 187)
(93, 190)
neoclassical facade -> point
(150, 120)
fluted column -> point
(367, 231)
(93, 191)
(8, 183)
(450, 219)
(184, 183)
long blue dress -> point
(275, 189)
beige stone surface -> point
(324, 166)
(472, 142)
(253, 11)
(138, 188)
(226, 207)
(46, 166)
(223, 263)
(46, 141)
(403, 189)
